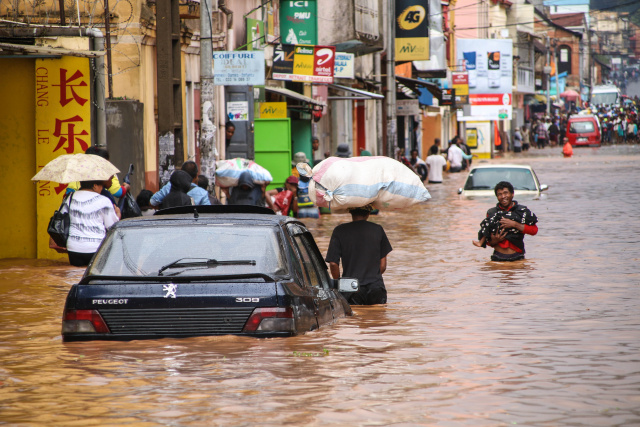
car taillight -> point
(84, 321)
(270, 319)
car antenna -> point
(196, 215)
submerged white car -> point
(483, 179)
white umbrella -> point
(76, 167)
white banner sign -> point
(489, 64)
(343, 67)
(408, 107)
(238, 68)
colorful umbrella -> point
(570, 94)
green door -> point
(272, 139)
(301, 136)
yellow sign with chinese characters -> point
(273, 110)
(63, 126)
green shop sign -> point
(299, 22)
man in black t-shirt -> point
(363, 247)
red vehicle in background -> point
(584, 130)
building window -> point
(564, 59)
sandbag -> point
(228, 171)
(340, 183)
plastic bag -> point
(129, 207)
(283, 201)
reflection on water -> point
(550, 340)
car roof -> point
(502, 167)
(227, 214)
(582, 116)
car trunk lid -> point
(175, 308)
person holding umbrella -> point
(90, 213)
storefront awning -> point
(535, 99)
(357, 94)
(294, 95)
(414, 83)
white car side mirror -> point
(346, 284)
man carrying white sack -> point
(363, 247)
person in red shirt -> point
(506, 225)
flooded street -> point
(553, 340)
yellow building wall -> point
(18, 159)
(148, 96)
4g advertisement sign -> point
(412, 30)
(305, 63)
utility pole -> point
(107, 29)
(547, 70)
(392, 123)
(555, 61)
(207, 94)
(169, 86)
(589, 71)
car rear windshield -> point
(581, 127)
(145, 251)
(487, 178)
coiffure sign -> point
(238, 68)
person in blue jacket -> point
(199, 195)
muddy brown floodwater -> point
(553, 340)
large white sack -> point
(340, 183)
(228, 171)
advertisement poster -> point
(472, 137)
(273, 110)
(256, 38)
(412, 30)
(238, 68)
(304, 63)
(238, 111)
(489, 64)
(460, 82)
(299, 22)
(448, 97)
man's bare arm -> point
(383, 265)
(335, 270)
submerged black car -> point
(205, 270)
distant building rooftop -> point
(569, 19)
